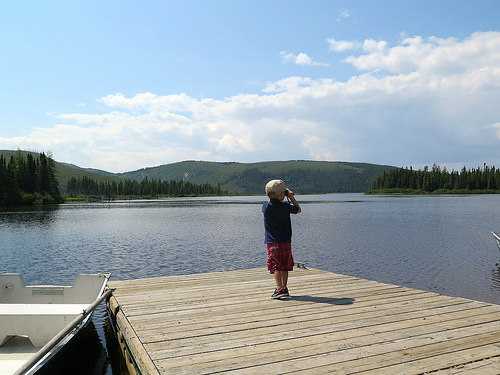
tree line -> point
(483, 179)
(152, 188)
(28, 179)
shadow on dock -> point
(326, 300)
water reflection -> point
(42, 216)
(495, 277)
(208, 201)
(117, 362)
(73, 360)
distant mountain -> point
(303, 176)
(306, 177)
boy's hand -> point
(291, 197)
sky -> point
(122, 85)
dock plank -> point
(271, 318)
(226, 322)
(336, 341)
(489, 366)
(214, 314)
(348, 359)
(200, 306)
(309, 321)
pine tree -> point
(12, 193)
(481, 179)
(30, 177)
(43, 175)
(52, 183)
(3, 181)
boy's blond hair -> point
(274, 188)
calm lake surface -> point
(440, 243)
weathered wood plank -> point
(362, 304)
(161, 350)
(489, 366)
(434, 357)
(312, 320)
(257, 293)
(226, 322)
(360, 307)
(176, 340)
(256, 286)
(335, 296)
(130, 344)
(221, 277)
(200, 346)
(320, 295)
(340, 340)
(263, 280)
(250, 303)
(361, 300)
(376, 359)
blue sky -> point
(60, 60)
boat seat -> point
(41, 308)
(40, 322)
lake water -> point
(440, 243)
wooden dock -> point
(335, 324)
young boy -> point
(279, 234)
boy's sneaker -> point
(276, 294)
(280, 294)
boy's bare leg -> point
(284, 278)
(278, 278)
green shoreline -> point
(71, 199)
(396, 191)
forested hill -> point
(306, 177)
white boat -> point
(37, 321)
(497, 237)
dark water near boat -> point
(440, 244)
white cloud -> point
(497, 127)
(288, 84)
(431, 55)
(341, 45)
(371, 45)
(234, 143)
(342, 15)
(432, 100)
(300, 58)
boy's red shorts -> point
(279, 257)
